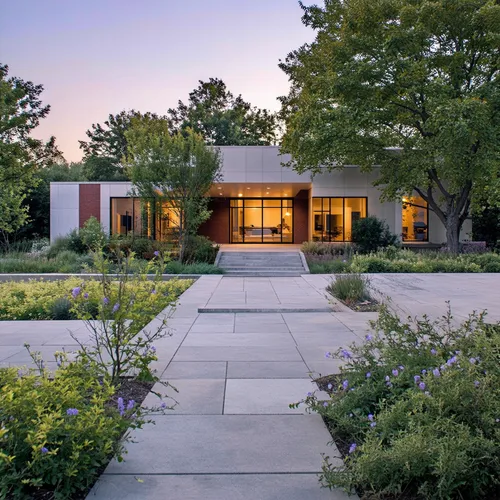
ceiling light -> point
(287, 214)
(248, 188)
(240, 195)
(220, 194)
(268, 188)
(267, 192)
(219, 187)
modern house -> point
(258, 201)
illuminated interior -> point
(258, 220)
(333, 217)
(415, 219)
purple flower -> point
(130, 404)
(352, 448)
(368, 337)
(451, 361)
(476, 383)
(346, 354)
(388, 384)
(345, 384)
(373, 424)
(401, 367)
(116, 307)
(163, 405)
(328, 354)
(121, 406)
(85, 295)
(421, 386)
(370, 417)
(330, 387)
(43, 450)
(416, 378)
(105, 301)
(368, 374)
(72, 412)
(395, 372)
(156, 253)
(153, 291)
(433, 351)
(423, 372)
(152, 349)
(436, 372)
(472, 361)
(387, 378)
(76, 291)
(309, 394)
(325, 404)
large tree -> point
(223, 119)
(20, 154)
(175, 168)
(409, 85)
(107, 146)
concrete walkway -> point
(232, 434)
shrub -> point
(92, 234)
(200, 249)
(417, 405)
(175, 267)
(60, 309)
(349, 288)
(321, 248)
(57, 433)
(370, 233)
(325, 264)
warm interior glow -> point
(287, 214)
(240, 195)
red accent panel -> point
(217, 227)
(90, 202)
(301, 216)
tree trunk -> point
(453, 226)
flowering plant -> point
(417, 404)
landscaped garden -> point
(415, 411)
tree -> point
(20, 155)
(176, 168)
(410, 85)
(107, 146)
(222, 119)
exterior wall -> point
(90, 202)
(301, 216)
(111, 190)
(64, 208)
(257, 164)
(437, 232)
(217, 227)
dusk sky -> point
(96, 57)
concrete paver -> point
(267, 369)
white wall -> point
(64, 208)
(111, 190)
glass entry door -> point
(258, 220)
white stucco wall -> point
(111, 190)
(64, 208)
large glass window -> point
(333, 217)
(258, 220)
(415, 219)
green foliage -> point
(222, 119)
(65, 261)
(200, 249)
(103, 168)
(327, 266)
(375, 88)
(417, 404)
(92, 234)
(349, 288)
(176, 267)
(60, 309)
(486, 226)
(20, 155)
(331, 249)
(181, 168)
(44, 447)
(370, 234)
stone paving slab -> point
(195, 396)
(265, 396)
(215, 487)
(201, 444)
(270, 338)
(267, 369)
(262, 353)
(195, 370)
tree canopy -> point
(409, 85)
(223, 119)
(20, 154)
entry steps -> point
(262, 263)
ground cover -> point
(324, 258)
(353, 290)
(415, 410)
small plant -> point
(61, 309)
(370, 234)
(92, 234)
(349, 288)
(416, 409)
(199, 249)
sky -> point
(96, 57)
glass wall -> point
(415, 219)
(333, 217)
(258, 220)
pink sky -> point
(99, 57)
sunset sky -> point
(96, 57)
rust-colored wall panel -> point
(90, 202)
(217, 227)
(301, 216)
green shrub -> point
(59, 245)
(60, 309)
(349, 288)
(92, 234)
(57, 433)
(327, 266)
(321, 248)
(175, 267)
(417, 405)
(200, 249)
(370, 233)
